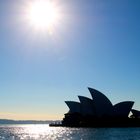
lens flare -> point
(42, 14)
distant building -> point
(98, 108)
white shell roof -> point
(75, 107)
(87, 105)
(123, 109)
(136, 113)
(99, 106)
(102, 104)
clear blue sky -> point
(96, 44)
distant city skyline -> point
(93, 43)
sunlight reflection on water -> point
(44, 132)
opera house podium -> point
(99, 112)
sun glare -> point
(42, 14)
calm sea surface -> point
(44, 132)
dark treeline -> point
(8, 121)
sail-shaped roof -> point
(135, 113)
(87, 106)
(75, 107)
(102, 104)
(123, 109)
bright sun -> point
(42, 14)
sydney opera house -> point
(99, 111)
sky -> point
(95, 43)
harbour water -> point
(44, 132)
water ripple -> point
(44, 132)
